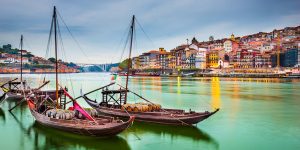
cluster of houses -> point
(260, 50)
(11, 63)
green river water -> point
(254, 114)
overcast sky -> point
(99, 26)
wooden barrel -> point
(68, 115)
(156, 107)
(130, 107)
(137, 108)
(145, 108)
(94, 113)
(150, 107)
(125, 106)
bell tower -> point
(232, 37)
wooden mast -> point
(129, 57)
(21, 59)
(56, 61)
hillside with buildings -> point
(260, 52)
(10, 62)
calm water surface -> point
(255, 114)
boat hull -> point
(77, 127)
(168, 117)
(16, 95)
(158, 117)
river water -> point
(254, 114)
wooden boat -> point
(15, 90)
(113, 106)
(76, 119)
(102, 126)
(163, 116)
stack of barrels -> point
(69, 114)
(60, 114)
(141, 107)
(91, 111)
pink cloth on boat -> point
(78, 107)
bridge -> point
(103, 67)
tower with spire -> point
(232, 37)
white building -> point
(266, 47)
(200, 60)
(7, 60)
(227, 46)
(24, 60)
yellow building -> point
(212, 59)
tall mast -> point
(21, 59)
(129, 57)
(56, 61)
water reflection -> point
(2, 116)
(178, 85)
(47, 138)
(215, 93)
(141, 130)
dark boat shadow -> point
(2, 115)
(189, 132)
(55, 139)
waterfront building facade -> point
(250, 51)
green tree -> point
(27, 66)
(35, 62)
(124, 64)
(52, 59)
(71, 64)
(29, 55)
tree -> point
(35, 62)
(27, 66)
(124, 64)
(28, 55)
(71, 64)
(52, 60)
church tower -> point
(232, 37)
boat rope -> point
(121, 105)
(73, 37)
(153, 44)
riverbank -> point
(36, 71)
(236, 73)
(223, 75)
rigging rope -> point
(153, 44)
(120, 42)
(75, 40)
(161, 108)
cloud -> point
(100, 25)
